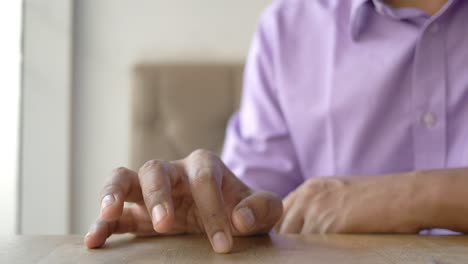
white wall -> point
(10, 64)
(109, 38)
(46, 92)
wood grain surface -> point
(347, 249)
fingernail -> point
(159, 212)
(107, 201)
(221, 242)
(91, 231)
(247, 217)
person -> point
(355, 112)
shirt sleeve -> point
(258, 146)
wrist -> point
(424, 199)
(396, 204)
(407, 199)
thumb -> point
(257, 213)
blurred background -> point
(90, 85)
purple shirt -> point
(351, 87)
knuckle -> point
(213, 217)
(313, 186)
(213, 220)
(321, 185)
(314, 182)
(153, 164)
(201, 154)
(119, 171)
(111, 188)
(117, 175)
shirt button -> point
(434, 28)
(429, 119)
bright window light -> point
(10, 65)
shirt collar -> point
(359, 12)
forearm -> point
(412, 201)
(443, 198)
(394, 203)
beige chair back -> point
(179, 108)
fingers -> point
(101, 230)
(257, 213)
(292, 220)
(122, 186)
(97, 234)
(156, 187)
(205, 174)
(314, 224)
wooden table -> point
(347, 249)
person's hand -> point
(194, 195)
(378, 204)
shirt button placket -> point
(429, 120)
(429, 92)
